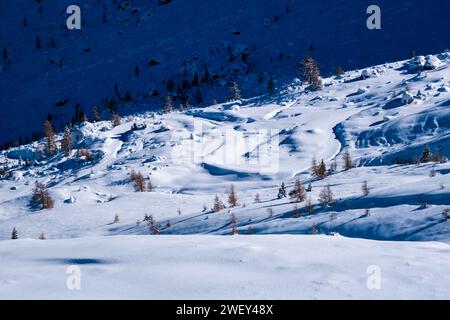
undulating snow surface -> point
(213, 267)
(385, 116)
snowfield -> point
(214, 267)
(386, 116)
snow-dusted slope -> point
(236, 40)
(256, 145)
(208, 267)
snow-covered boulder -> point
(70, 200)
(407, 98)
(443, 88)
(431, 62)
(365, 74)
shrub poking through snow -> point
(41, 197)
(232, 198)
(116, 218)
(326, 196)
(42, 236)
(150, 187)
(138, 181)
(299, 193)
(257, 198)
(314, 229)
(426, 154)
(115, 118)
(270, 212)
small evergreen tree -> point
(150, 187)
(282, 191)
(154, 230)
(14, 234)
(257, 199)
(426, 155)
(295, 212)
(314, 167)
(116, 218)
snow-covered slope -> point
(211, 267)
(385, 116)
(235, 40)
(256, 145)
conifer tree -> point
(282, 191)
(42, 236)
(232, 198)
(321, 170)
(168, 104)
(66, 143)
(138, 181)
(348, 163)
(235, 91)
(50, 139)
(218, 204)
(310, 73)
(426, 155)
(309, 207)
(299, 193)
(234, 229)
(270, 86)
(41, 197)
(198, 96)
(314, 167)
(116, 120)
(14, 234)
(257, 198)
(326, 196)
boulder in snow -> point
(70, 200)
(431, 62)
(407, 98)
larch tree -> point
(348, 163)
(66, 143)
(326, 196)
(232, 198)
(321, 170)
(299, 193)
(41, 196)
(217, 205)
(168, 107)
(310, 73)
(138, 181)
(50, 138)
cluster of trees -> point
(41, 197)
